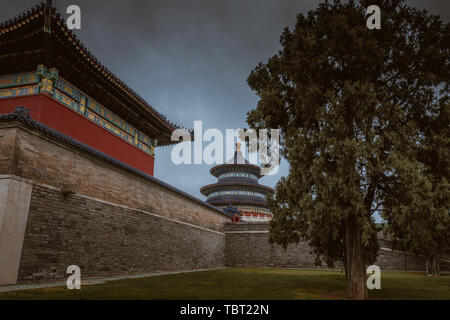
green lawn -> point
(248, 283)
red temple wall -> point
(57, 116)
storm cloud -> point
(189, 59)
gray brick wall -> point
(247, 245)
(106, 239)
(106, 227)
(35, 156)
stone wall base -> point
(14, 206)
(247, 245)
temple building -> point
(238, 189)
(77, 151)
(76, 175)
(45, 68)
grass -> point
(247, 283)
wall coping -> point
(82, 196)
(21, 115)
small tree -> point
(418, 203)
(347, 100)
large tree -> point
(348, 101)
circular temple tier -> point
(238, 187)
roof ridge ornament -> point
(23, 112)
(48, 16)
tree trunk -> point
(355, 266)
(344, 264)
(435, 268)
(432, 265)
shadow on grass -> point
(247, 283)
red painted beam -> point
(54, 114)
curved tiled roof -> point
(222, 168)
(57, 23)
(220, 201)
(237, 161)
(236, 164)
(256, 186)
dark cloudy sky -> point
(190, 58)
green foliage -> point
(351, 104)
(417, 208)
